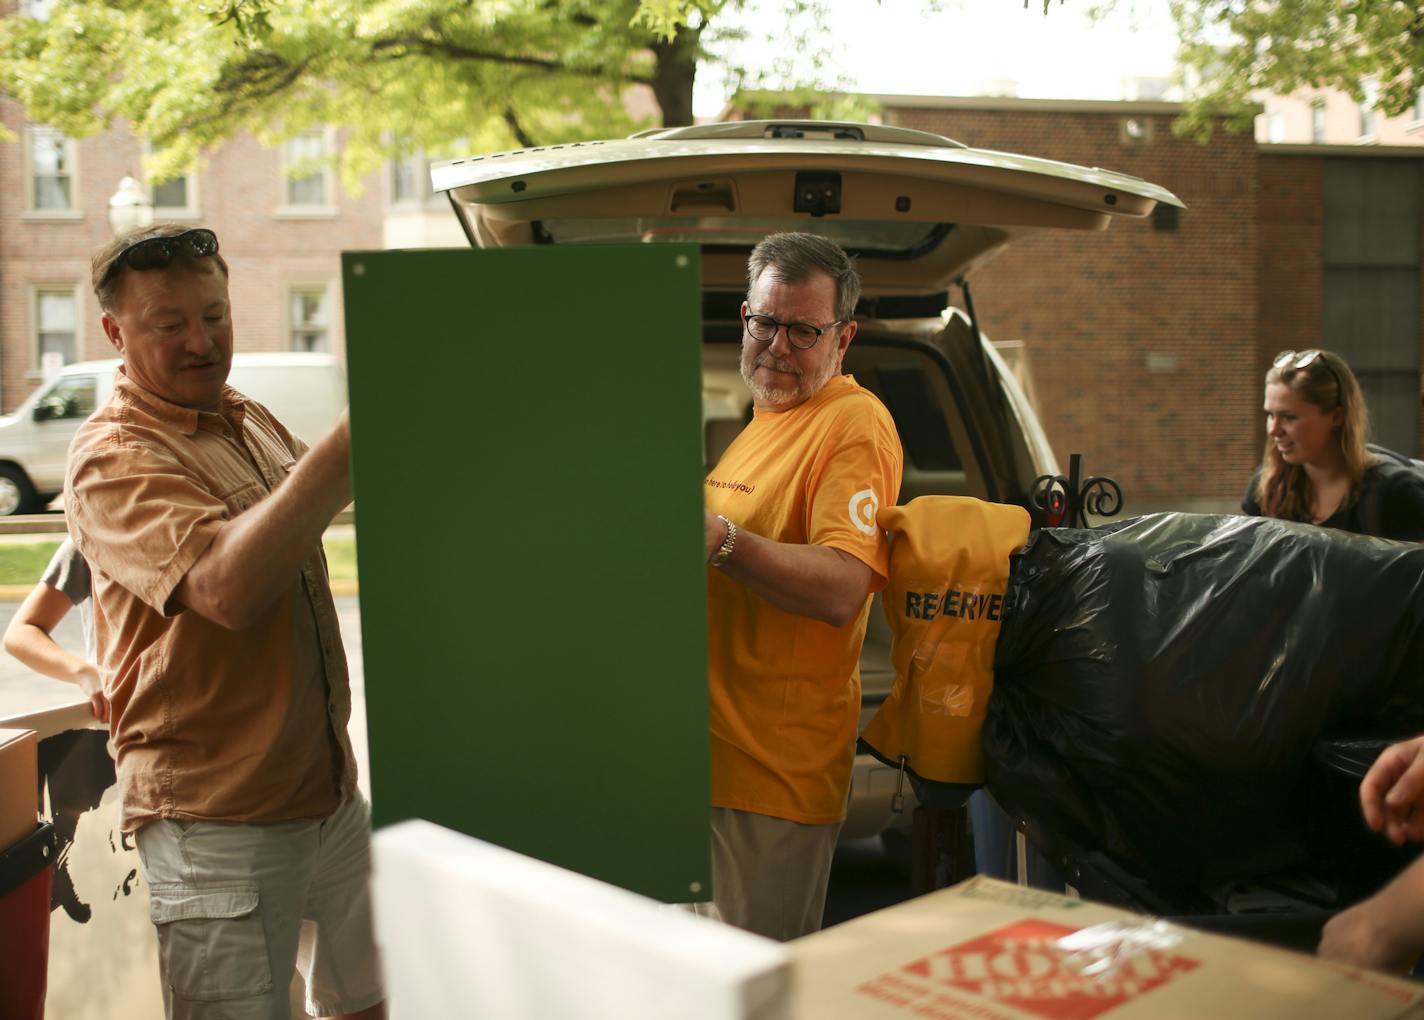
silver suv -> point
(919, 212)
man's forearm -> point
(1386, 931)
(1399, 908)
(259, 552)
(808, 580)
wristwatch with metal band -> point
(725, 549)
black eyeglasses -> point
(1293, 361)
(802, 335)
(159, 252)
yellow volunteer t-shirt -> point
(785, 689)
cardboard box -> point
(987, 950)
(19, 785)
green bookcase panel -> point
(526, 445)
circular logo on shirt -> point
(863, 506)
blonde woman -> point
(1317, 466)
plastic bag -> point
(1160, 682)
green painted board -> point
(526, 447)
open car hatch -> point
(919, 209)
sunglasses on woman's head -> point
(1296, 359)
(1293, 361)
(159, 252)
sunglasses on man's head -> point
(159, 252)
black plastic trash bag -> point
(1161, 681)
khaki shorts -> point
(769, 875)
(237, 907)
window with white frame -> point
(309, 319)
(408, 186)
(1419, 105)
(51, 170)
(172, 194)
(40, 10)
(175, 198)
(56, 323)
(306, 154)
(405, 181)
(1317, 121)
(1369, 116)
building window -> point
(308, 319)
(1369, 117)
(306, 155)
(1135, 130)
(40, 10)
(1275, 128)
(56, 324)
(1419, 105)
(175, 197)
(171, 194)
(405, 181)
(1317, 122)
(51, 170)
(1165, 217)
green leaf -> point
(1238, 53)
(396, 76)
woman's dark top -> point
(1391, 504)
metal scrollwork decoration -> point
(1066, 502)
(1050, 496)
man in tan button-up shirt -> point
(201, 516)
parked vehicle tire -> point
(17, 495)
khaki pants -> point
(769, 875)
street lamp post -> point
(129, 206)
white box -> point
(469, 929)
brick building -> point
(282, 237)
(1147, 345)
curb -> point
(54, 524)
(17, 592)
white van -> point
(307, 392)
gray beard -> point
(773, 396)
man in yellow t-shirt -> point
(790, 529)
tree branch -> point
(446, 48)
(261, 76)
(520, 135)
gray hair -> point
(796, 257)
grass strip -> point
(23, 562)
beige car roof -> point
(724, 184)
